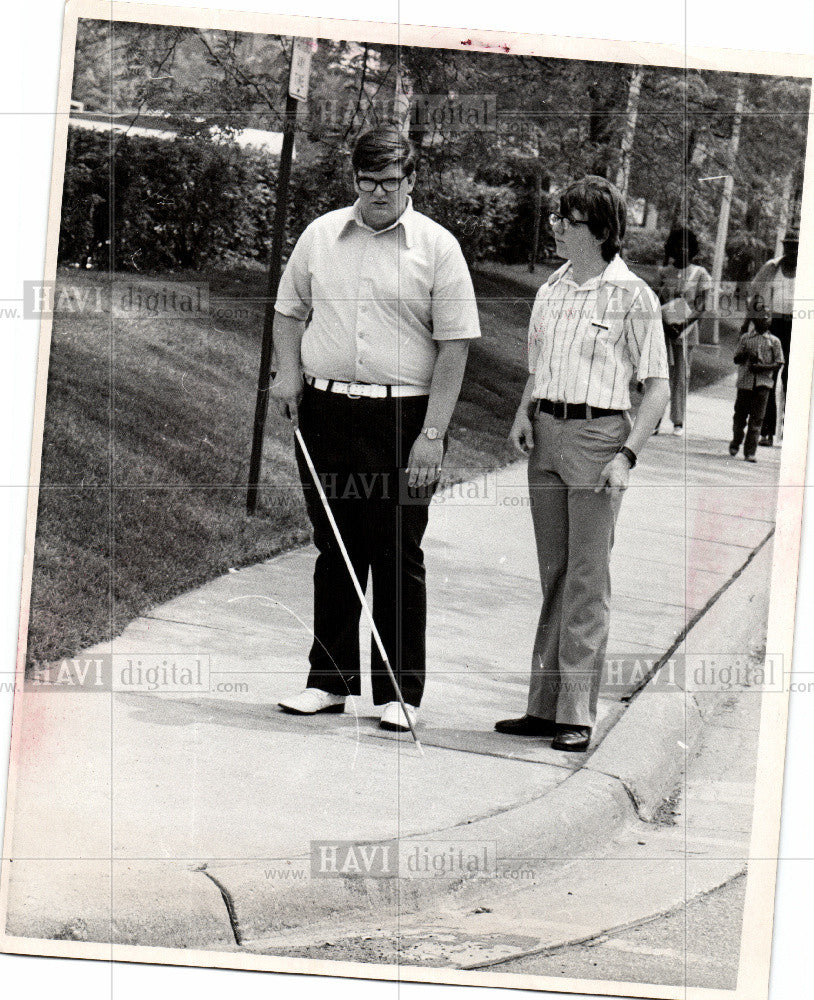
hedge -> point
(185, 203)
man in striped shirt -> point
(595, 326)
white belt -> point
(353, 390)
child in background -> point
(759, 357)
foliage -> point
(483, 217)
(178, 203)
(555, 118)
(645, 246)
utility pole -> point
(726, 203)
(302, 51)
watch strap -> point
(629, 454)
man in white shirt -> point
(374, 315)
(594, 327)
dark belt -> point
(571, 411)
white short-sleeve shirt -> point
(381, 299)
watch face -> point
(431, 432)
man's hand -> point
(522, 433)
(287, 392)
(614, 477)
(424, 463)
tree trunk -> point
(626, 146)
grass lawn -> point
(146, 449)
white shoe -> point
(313, 700)
(394, 718)
(678, 431)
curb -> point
(626, 778)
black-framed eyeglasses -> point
(555, 219)
(369, 185)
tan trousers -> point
(574, 529)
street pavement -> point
(133, 810)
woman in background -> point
(682, 289)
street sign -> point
(304, 49)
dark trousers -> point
(750, 405)
(781, 328)
(360, 449)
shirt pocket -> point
(602, 334)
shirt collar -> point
(406, 220)
(616, 273)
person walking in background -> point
(683, 288)
(594, 326)
(773, 285)
(759, 357)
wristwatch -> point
(629, 454)
(431, 433)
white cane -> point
(360, 594)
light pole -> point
(726, 202)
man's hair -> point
(681, 245)
(604, 209)
(382, 147)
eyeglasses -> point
(555, 219)
(389, 184)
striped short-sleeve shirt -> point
(587, 342)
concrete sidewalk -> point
(123, 800)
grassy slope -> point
(145, 456)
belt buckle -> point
(560, 410)
(350, 393)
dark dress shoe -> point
(529, 725)
(573, 738)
